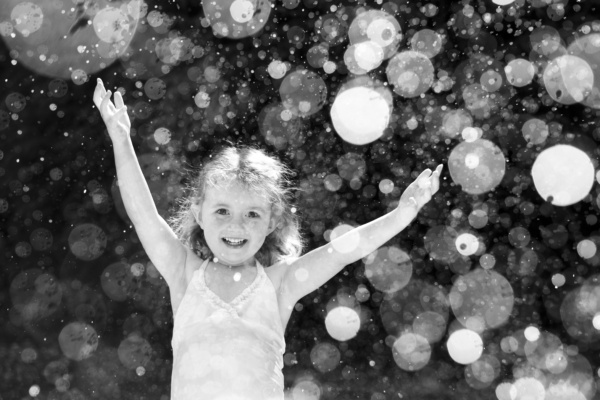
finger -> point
(424, 175)
(435, 185)
(105, 101)
(99, 92)
(119, 100)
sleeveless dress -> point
(228, 351)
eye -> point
(253, 214)
(222, 211)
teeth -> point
(234, 241)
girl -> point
(229, 311)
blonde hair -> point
(258, 172)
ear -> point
(274, 223)
(197, 211)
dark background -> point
(57, 173)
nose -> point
(236, 223)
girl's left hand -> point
(422, 189)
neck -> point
(249, 263)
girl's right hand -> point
(114, 115)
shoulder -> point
(192, 263)
(279, 270)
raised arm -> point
(163, 248)
(325, 262)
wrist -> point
(405, 213)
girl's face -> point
(235, 221)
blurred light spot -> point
(325, 357)
(568, 79)
(464, 346)
(78, 341)
(487, 261)
(477, 166)
(237, 19)
(155, 88)
(481, 373)
(411, 352)
(389, 269)
(34, 390)
(481, 299)
(306, 390)
(329, 67)
(87, 241)
(117, 281)
(318, 55)
(332, 182)
(529, 388)
(588, 48)
(162, 136)
(440, 243)
(79, 76)
(28, 355)
(279, 127)
(351, 166)
(111, 25)
(558, 280)
(586, 248)
(410, 73)
(27, 18)
(386, 186)
(361, 114)
(419, 307)
(430, 325)
(490, 81)
(15, 102)
(532, 333)
(478, 219)
(519, 237)
(470, 134)
(342, 323)
(505, 391)
(455, 121)
(363, 57)
(535, 131)
(35, 294)
(596, 321)
(563, 175)
(467, 244)
(241, 10)
(303, 92)
(579, 308)
(277, 69)
(427, 42)
(134, 351)
(378, 27)
(519, 72)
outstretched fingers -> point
(119, 100)
(435, 184)
(99, 93)
(106, 103)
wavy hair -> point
(259, 173)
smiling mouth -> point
(233, 242)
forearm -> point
(133, 187)
(370, 236)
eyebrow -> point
(253, 207)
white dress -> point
(228, 351)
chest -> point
(229, 284)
